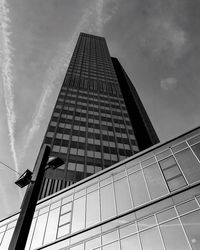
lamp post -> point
(34, 181)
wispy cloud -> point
(92, 21)
(161, 34)
(168, 84)
(6, 53)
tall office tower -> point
(98, 119)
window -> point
(50, 134)
(56, 114)
(73, 151)
(172, 173)
(65, 137)
(122, 193)
(155, 181)
(71, 166)
(53, 124)
(56, 148)
(79, 167)
(189, 165)
(107, 202)
(63, 150)
(173, 235)
(138, 188)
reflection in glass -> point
(122, 194)
(191, 223)
(28, 242)
(150, 240)
(155, 181)
(65, 219)
(66, 208)
(130, 243)
(109, 237)
(189, 165)
(6, 239)
(187, 207)
(39, 231)
(173, 235)
(64, 230)
(52, 225)
(78, 220)
(93, 243)
(127, 230)
(138, 188)
(107, 202)
(112, 246)
(79, 247)
(196, 149)
(172, 173)
(166, 215)
(93, 206)
(147, 222)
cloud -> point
(6, 53)
(160, 32)
(168, 84)
(92, 21)
(169, 39)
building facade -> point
(150, 200)
(98, 118)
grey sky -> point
(157, 42)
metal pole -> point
(22, 228)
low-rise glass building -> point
(150, 200)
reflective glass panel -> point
(107, 202)
(147, 222)
(127, 230)
(52, 225)
(166, 215)
(173, 235)
(196, 149)
(155, 181)
(79, 247)
(187, 207)
(78, 220)
(93, 208)
(39, 231)
(66, 208)
(122, 194)
(130, 243)
(191, 223)
(109, 237)
(112, 246)
(65, 218)
(189, 165)
(63, 230)
(138, 188)
(6, 239)
(93, 243)
(150, 239)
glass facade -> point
(148, 201)
(90, 128)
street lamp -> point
(34, 182)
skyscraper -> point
(98, 118)
(150, 200)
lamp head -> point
(54, 162)
(24, 179)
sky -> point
(157, 43)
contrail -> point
(6, 72)
(91, 21)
